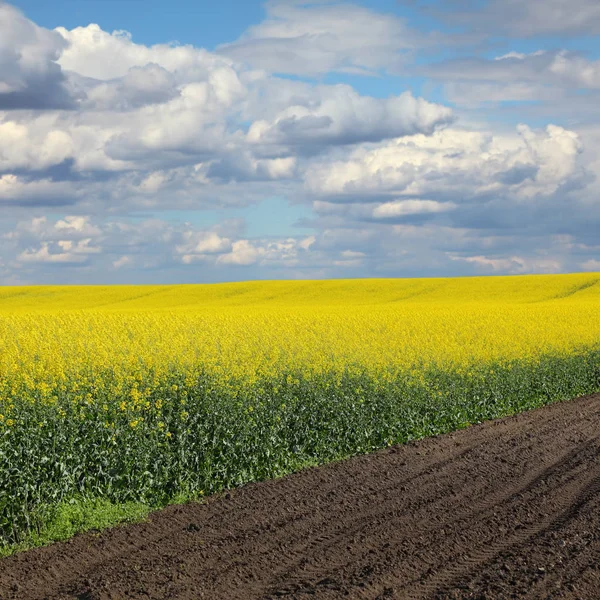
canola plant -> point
(155, 394)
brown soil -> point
(507, 509)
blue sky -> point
(205, 24)
(201, 23)
(151, 141)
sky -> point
(145, 141)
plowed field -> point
(506, 509)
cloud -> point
(97, 54)
(140, 86)
(395, 211)
(30, 77)
(243, 252)
(551, 77)
(156, 249)
(62, 252)
(33, 144)
(308, 38)
(338, 115)
(148, 245)
(513, 264)
(243, 166)
(18, 191)
(198, 245)
(527, 19)
(181, 126)
(285, 253)
(400, 208)
(590, 265)
(124, 261)
(456, 165)
(71, 233)
(131, 146)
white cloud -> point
(243, 252)
(154, 110)
(590, 265)
(140, 86)
(532, 18)
(280, 253)
(455, 165)
(308, 38)
(77, 226)
(92, 52)
(19, 191)
(33, 145)
(198, 244)
(341, 116)
(519, 55)
(352, 254)
(29, 74)
(399, 208)
(576, 70)
(518, 76)
(65, 251)
(243, 166)
(513, 264)
(43, 255)
(124, 261)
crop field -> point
(114, 400)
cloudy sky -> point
(154, 141)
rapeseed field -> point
(145, 395)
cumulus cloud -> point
(63, 252)
(181, 124)
(140, 86)
(279, 253)
(243, 252)
(25, 146)
(97, 54)
(30, 77)
(153, 244)
(76, 234)
(339, 115)
(198, 245)
(456, 164)
(19, 191)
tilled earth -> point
(507, 509)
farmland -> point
(136, 397)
